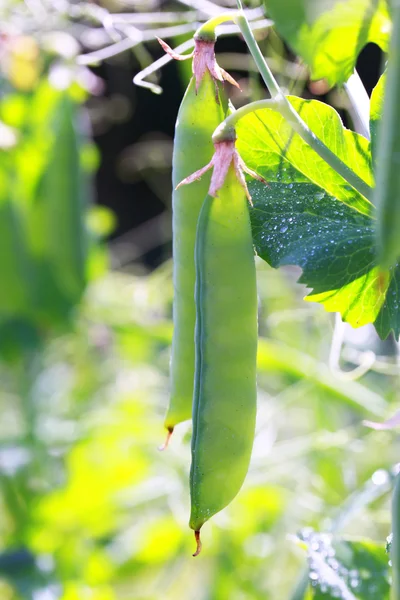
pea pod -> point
(202, 109)
(224, 405)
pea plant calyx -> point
(204, 60)
(203, 57)
(224, 157)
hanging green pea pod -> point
(203, 108)
(224, 404)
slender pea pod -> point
(395, 547)
(224, 405)
(203, 108)
(198, 116)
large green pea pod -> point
(224, 405)
(199, 115)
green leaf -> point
(308, 215)
(268, 144)
(346, 569)
(329, 34)
(299, 224)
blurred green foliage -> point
(91, 508)
(42, 196)
(330, 34)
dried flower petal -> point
(204, 60)
(222, 160)
(168, 50)
(196, 175)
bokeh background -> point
(89, 508)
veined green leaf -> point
(300, 224)
(329, 34)
(268, 144)
(308, 216)
(360, 301)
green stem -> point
(229, 123)
(283, 106)
(395, 548)
(241, 21)
(207, 30)
(387, 191)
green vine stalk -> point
(283, 106)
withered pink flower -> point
(224, 157)
(203, 60)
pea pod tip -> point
(199, 545)
(163, 446)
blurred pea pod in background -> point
(44, 201)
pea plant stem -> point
(283, 106)
(208, 28)
(387, 188)
(241, 112)
(395, 550)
